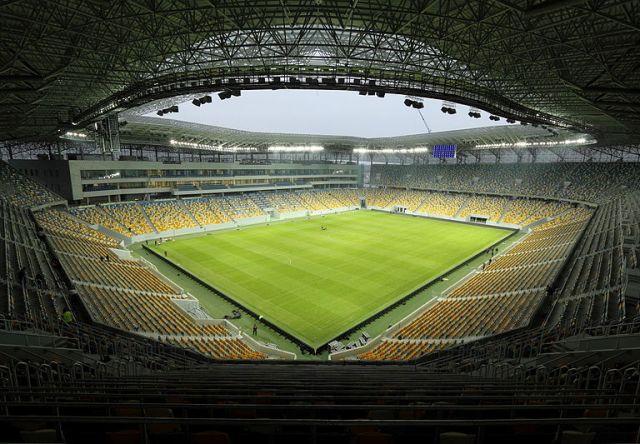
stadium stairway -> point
(77, 348)
(260, 200)
(332, 403)
(188, 212)
(505, 210)
(463, 206)
(146, 217)
(424, 201)
(108, 216)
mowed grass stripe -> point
(316, 284)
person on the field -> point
(255, 328)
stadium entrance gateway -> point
(478, 219)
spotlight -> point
(205, 99)
(171, 109)
(448, 108)
(475, 113)
(238, 93)
(417, 104)
(524, 123)
(224, 94)
(196, 102)
(511, 121)
(494, 118)
(380, 94)
(362, 92)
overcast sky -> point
(326, 112)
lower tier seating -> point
(502, 296)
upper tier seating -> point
(30, 286)
(590, 182)
(19, 190)
(218, 403)
(591, 293)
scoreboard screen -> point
(444, 151)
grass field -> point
(317, 284)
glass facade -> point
(168, 178)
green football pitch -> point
(316, 284)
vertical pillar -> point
(108, 137)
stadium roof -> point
(155, 131)
(564, 62)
